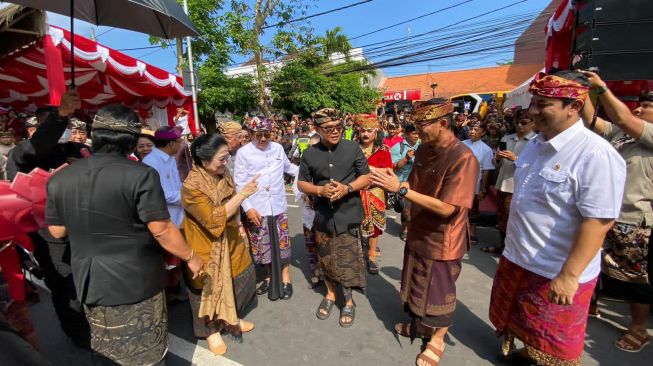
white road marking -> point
(196, 354)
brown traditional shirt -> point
(449, 174)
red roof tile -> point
(450, 83)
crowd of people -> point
(167, 216)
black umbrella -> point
(161, 18)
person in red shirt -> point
(394, 135)
(378, 157)
(14, 308)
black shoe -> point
(262, 289)
(402, 236)
(372, 267)
(287, 291)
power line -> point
(318, 14)
(521, 21)
(105, 32)
(410, 20)
(317, 47)
(146, 47)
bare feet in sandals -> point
(431, 355)
(632, 341)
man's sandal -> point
(632, 342)
(347, 311)
(403, 329)
(325, 305)
(427, 360)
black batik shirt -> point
(343, 163)
(104, 202)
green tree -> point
(246, 25)
(223, 93)
(334, 41)
(213, 39)
(302, 86)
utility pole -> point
(192, 76)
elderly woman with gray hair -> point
(221, 295)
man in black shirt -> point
(113, 211)
(333, 171)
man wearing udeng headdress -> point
(569, 184)
(441, 190)
(267, 221)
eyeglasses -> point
(222, 159)
(260, 135)
(330, 129)
(422, 125)
(523, 123)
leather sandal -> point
(403, 329)
(325, 305)
(632, 342)
(347, 311)
(427, 360)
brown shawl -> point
(203, 198)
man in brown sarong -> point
(441, 190)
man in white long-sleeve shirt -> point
(267, 222)
(167, 141)
(162, 158)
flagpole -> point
(193, 87)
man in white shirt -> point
(485, 155)
(181, 120)
(267, 222)
(568, 188)
(162, 158)
(167, 142)
(509, 149)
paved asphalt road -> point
(288, 333)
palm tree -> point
(334, 41)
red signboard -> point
(412, 94)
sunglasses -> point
(523, 123)
(330, 129)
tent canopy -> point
(32, 77)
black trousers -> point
(54, 259)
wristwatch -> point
(601, 89)
(349, 188)
(403, 191)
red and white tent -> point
(38, 74)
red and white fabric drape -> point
(38, 75)
(559, 36)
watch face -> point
(403, 191)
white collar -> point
(561, 139)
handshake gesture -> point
(333, 190)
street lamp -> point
(433, 86)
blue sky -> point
(354, 21)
